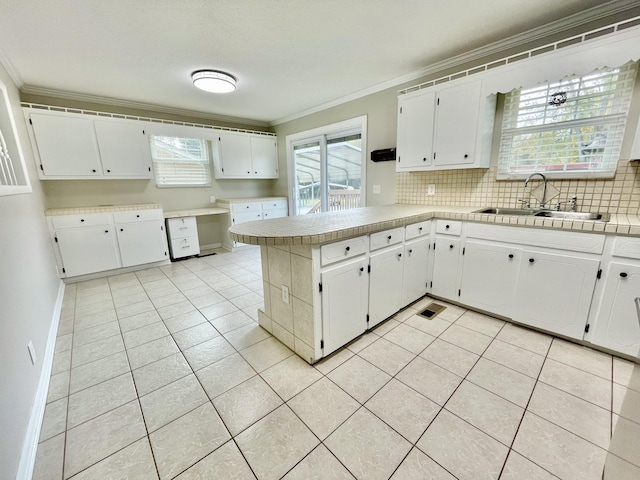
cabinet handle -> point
(446, 226)
(389, 237)
(531, 260)
(424, 159)
(185, 246)
(108, 171)
(466, 155)
(399, 255)
(348, 248)
(137, 216)
(410, 251)
(183, 228)
(511, 255)
(82, 219)
(623, 274)
(450, 246)
(106, 231)
(256, 173)
(94, 170)
(249, 173)
(362, 269)
(122, 230)
(419, 229)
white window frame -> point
(12, 162)
(617, 120)
(333, 130)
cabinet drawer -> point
(335, 252)
(182, 227)
(386, 238)
(416, 230)
(184, 247)
(88, 220)
(627, 247)
(243, 217)
(274, 205)
(274, 213)
(137, 216)
(246, 207)
(448, 227)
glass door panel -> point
(308, 178)
(344, 172)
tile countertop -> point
(101, 209)
(249, 200)
(332, 226)
(196, 212)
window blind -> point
(179, 161)
(571, 128)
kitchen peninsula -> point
(330, 277)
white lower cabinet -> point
(415, 277)
(618, 323)
(555, 290)
(142, 242)
(489, 276)
(385, 284)
(446, 261)
(87, 249)
(345, 295)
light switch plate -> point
(376, 189)
(285, 294)
(212, 199)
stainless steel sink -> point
(601, 217)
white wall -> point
(28, 291)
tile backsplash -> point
(479, 187)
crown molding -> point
(83, 97)
(13, 73)
(592, 14)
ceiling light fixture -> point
(213, 81)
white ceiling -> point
(289, 56)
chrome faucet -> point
(544, 189)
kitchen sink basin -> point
(531, 212)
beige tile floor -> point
(164, 373)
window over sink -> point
(572, 128)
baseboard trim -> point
(30, 444)
(211, 246)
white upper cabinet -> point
(445, 127)
(240, 155)
(76, 146)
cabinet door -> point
(456, 124)
(274, 213)
(385, 284)
(235, 155)
(141, 242)
(415, 276)
(264, 156)
(554, 291)
(489, 275)
(446, 260)
(344, 303)
(618, 324)
(67, 145)
(415, 131)
(123, 149)
(88, 250)
(243, 217)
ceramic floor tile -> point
(151, 352)
(61, 362)
(63, 343)
(433, 326)
(430, 380)
(273, 445)
(417, 466)
(217, 310)
(231, 321)
(49, 459)
(132, 309)
(139, 336)
(323, 406)
(486, 411)
(172, 401)
(319, 465)
(409, 338)
(89, 335)
(624, 440)
(243, 301)
(402, 408)
(96, 350)
(183, 321)
(451, 313)
(246, 403)
(480, 323)
(160, 373)
(514, 357)
(583, 358)
(94, 308)
(626, 373)
(97, 372)
(225, 374)
(462, 449)
(101, 398)
(54, 420)
(58, 387)
(519, 468)
(98, 438)
(626, 403)
(175, 309)
(244, 337)
(290, 376)
(129, 298)
(187, 440)
(540, 441)
(617, 469)
(359, 378)
(386, 326)
(502, 381)
(524, 338)
(450, 357)
(266, 353)
(136, 460)
(362, 342)
(577, 382)
(200, 291)
(206, 353)
(367, 446)
(208, 299)
(225, 463)
(139, 320)
(88, 321)
(468, 339)
(572, 413)
(334, 360)
(193, 336)
(387, 356)
(167, 300)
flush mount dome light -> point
(213, 81)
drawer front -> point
(416, 230)
(182, 227)
(243, 217)
(627, 247)
(386, 238)
(274, 213)
(275, 205)
(88, 220)
(448, 227)
(246, 207)
(338, 251)
(184, 247)
(137, 216)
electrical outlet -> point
(376, 189)
(431, 189)
(32, 352)
(212, 199)
(285, 294)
